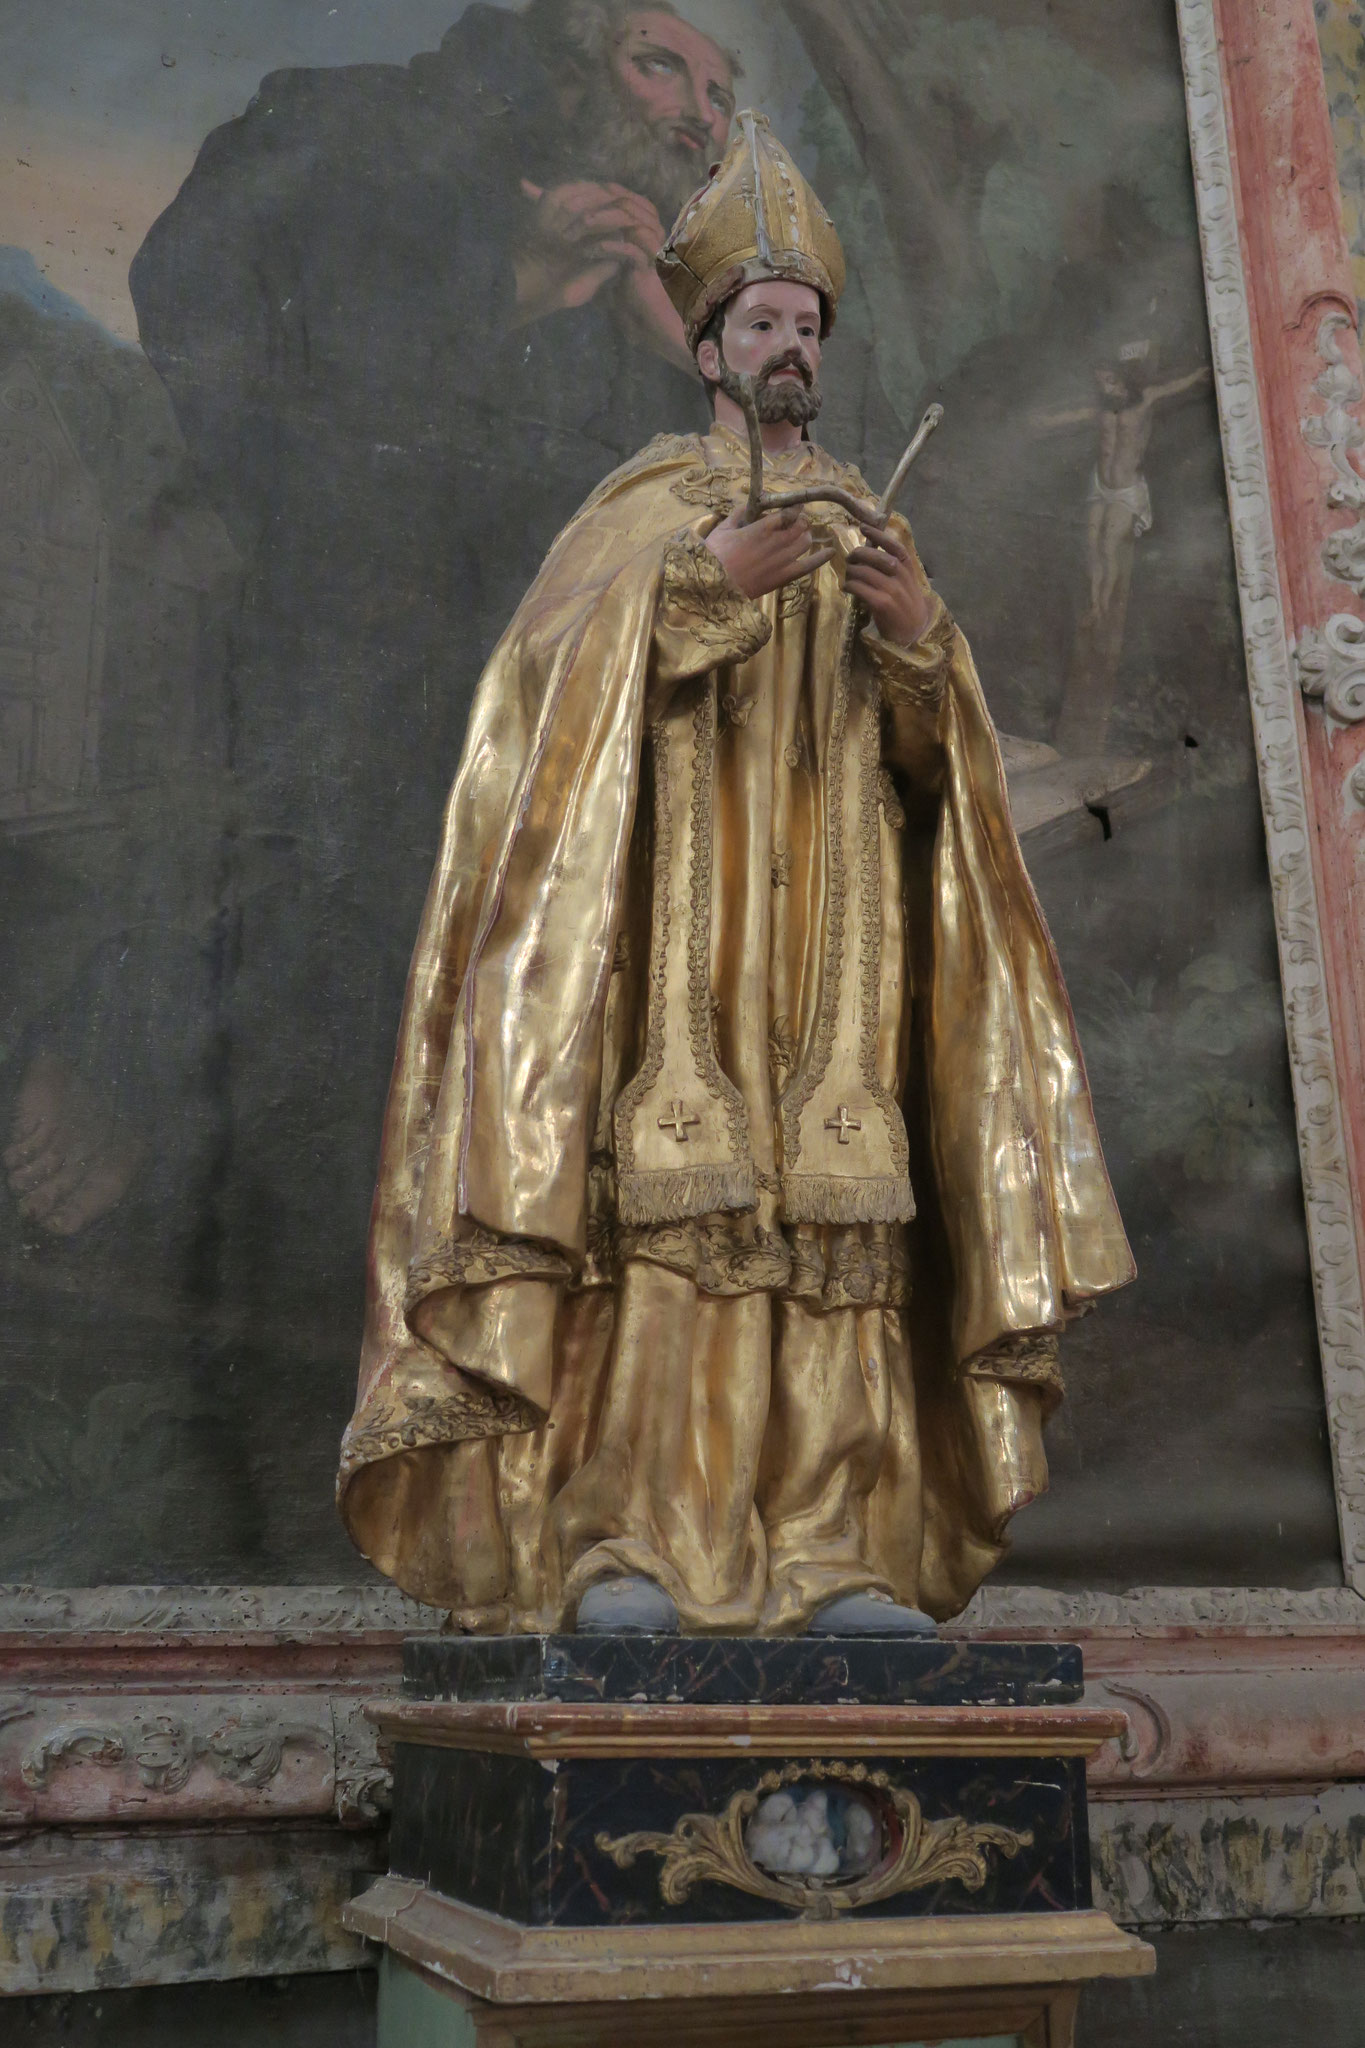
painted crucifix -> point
(1118, 514)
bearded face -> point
(1120, 388)
(617, 141)
(795, 399)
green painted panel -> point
(976, 2041)
(414, 2014)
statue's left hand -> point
(883, 573)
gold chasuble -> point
(739, 1170)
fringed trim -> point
(674, 1193)
(830, 1198)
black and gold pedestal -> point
(627, 1840)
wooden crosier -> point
(760, 501)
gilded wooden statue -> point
(739, 1172)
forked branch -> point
(867, 514)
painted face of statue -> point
(771, 333)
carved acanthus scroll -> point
(1337, 429)
(1331, 666)
(245, 1748)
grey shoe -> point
(866, 1614)
(629, 1606)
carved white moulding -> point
(1274, 687)
(1146, 1609)
(189, 1755)
(292, 1611)
(245, 1747)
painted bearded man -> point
(407, 316)
(739, 1172)
(378, 271)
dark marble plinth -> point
(580, 1782)
(508, 1835)
(743, 1670)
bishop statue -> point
(739, 1173)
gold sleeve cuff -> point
(914, 674)
(703, 621)
(1028, 1358)
(478, 1258)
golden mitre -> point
(755, 217)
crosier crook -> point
(760, 501)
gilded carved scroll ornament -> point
(913, 1853)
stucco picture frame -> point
(115, 1693)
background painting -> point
(266, 505)
(1341, 38)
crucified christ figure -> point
(1119, 512)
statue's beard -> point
(613, 141)
(797, 403)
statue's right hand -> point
(776, 549)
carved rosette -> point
(708, 1848)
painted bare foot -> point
(67, 1161)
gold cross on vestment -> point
(676, 1120)
(843, 1123)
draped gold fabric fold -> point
(739, 1170)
